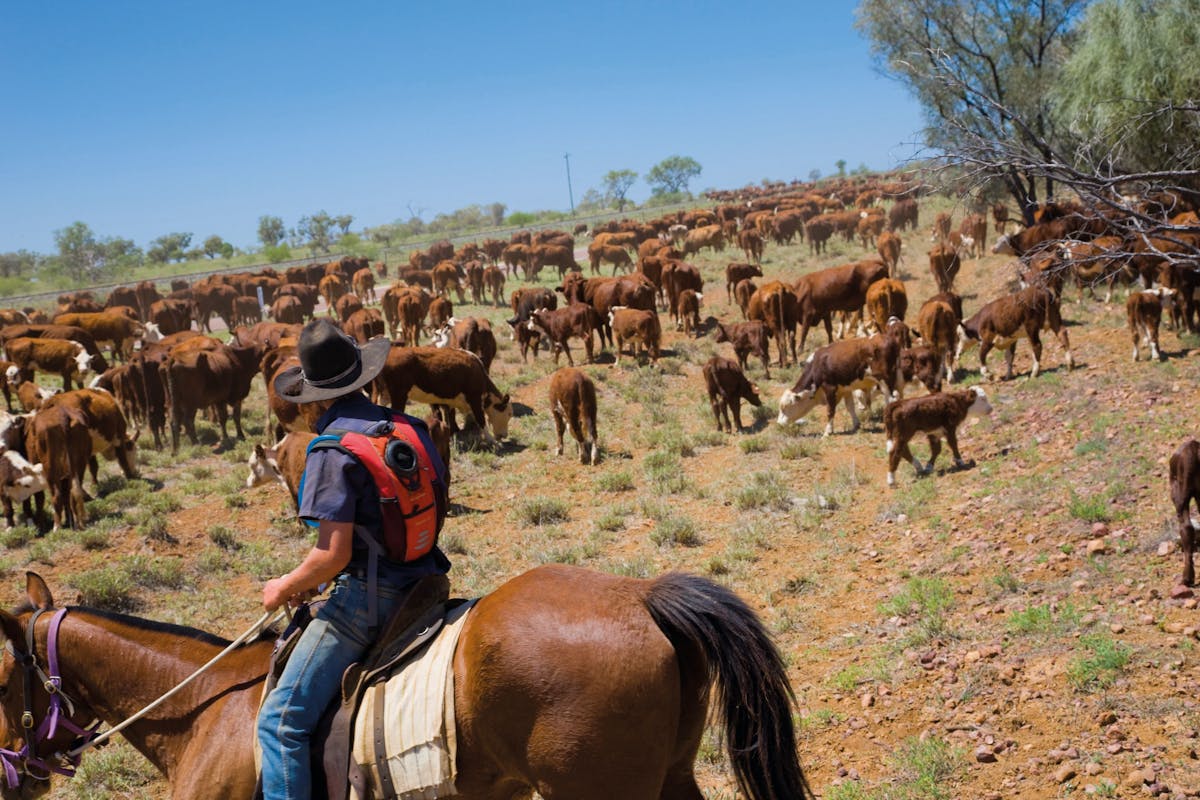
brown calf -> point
(1002, 322)
(638, 326)
(1144, 311)
(837, 371)
(573, 403)
(576, 320)
(736, 272)
(687, 311)
(727, 386)
(1184, 469)
(944, 263)
(283, 463)
(937, 415)
(747, 338)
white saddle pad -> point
(419, 746)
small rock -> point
(1097, 547)
(1092, 768)
(867, 700)
(1114, 748)
(1107, 718)
(972, 656)
(1181, 592)
(1139, 777)
(984, 755)
(1099, 529)
(1146, 619)
(1157, 789)
(1064, 773)
(1166, 548)
(1117, 627)
(1173, 627)
(1190, 603)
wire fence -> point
(389, 254)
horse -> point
(568, 682)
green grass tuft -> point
(542, 511)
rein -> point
(18, 762)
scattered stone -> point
(1181, 592)
(1108, 717)
(1146, 619)
(1114, 748)
(972, 656)
(1092, 768)
(1064, 773)
(1173, 627)
(867, 700)
(1099, 529)
(1139, 777)
(1166, 548)
(1097, 547)
(1117, 627)
(984, 755)
(1190, 603)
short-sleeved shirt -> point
(337, 488)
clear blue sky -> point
(143, 118)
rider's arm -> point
(329, 556)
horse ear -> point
(38, 591)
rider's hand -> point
(275, 594)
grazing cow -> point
(1144, 311)
(707, 236)
(32, 397)
(838, 370)
(195, 379)
(937, 415)
(736, 272)
(440, 312)
(346, 305)
(58, 439)
(575, 320)
(493, 282)
(938, 325)
(638, 326)
(687, 311)
(447, 279)
(886, 298)
(888, 246)
(105, 424)
(107, 326)
(635, 291)
(552, 255)
(283, 463)
(775, 305)
(727, 386)
(844, 288)
(363, 285)
(573, 404)
(1002, 322)
(742, 293)
(516, 255)
(66, 358)
(447, 377)
(944, 264)
(751, 243)
(20, 481)
(819, 230)
(288, 309)
(1184, 470)
(473, 334)
(618, 256)
(365, 324)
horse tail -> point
(755, 697)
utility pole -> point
(570, 194)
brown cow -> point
(1144, 312)
(106, 425)
(516, 255)
(493, 281)
(32, 397)
(283, 463)
(742, 293)
(944, 264)
(446, 279)
(440, 312)
(638, 326)
(1002, 322)
(363, 285)
(735, 272)
(886, 298)
(58, 439)
(474, 270)
(705, 236)
(573, 403)
(448, 377)
(974, 234)
(775, 304)
(938, 325)
(751, 243)
(20, 481)
(837, 371)
(171, 315)
(51, 331)
(844, 288)
(365, 324)
(551, 255)
(473, 334)
(687, 312)
(575, 320)
(107, 326)
(727, 386)
(66, 358)
(246, 311)
(288, 309)
(888, 246)
(213, 299)
(1184, 471)
(411, 307)
(195, 379)
(346, 305)
(613, 254)
(332, 287)
(937, 415)
(819, 230)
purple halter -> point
(18, 762)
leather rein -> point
(27, 761)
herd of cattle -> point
(168, 366)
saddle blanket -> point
(405, 724)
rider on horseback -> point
(338, 496)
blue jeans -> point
(335, 639)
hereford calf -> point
(727, 386)
(747, 338)
(19, 482)
(886, 298)
(837, 371)
(742, 293)
(106, 425)
(1002, 322)
(69, 359)
(938, 326)
(944, 263)
(576, 320)
(1184, 469)
(283, 463)
(471, 334)
(937, 415)
(687, 311)
(638, 326)
(1144, 310)
(573, 403)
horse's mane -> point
(154, 626)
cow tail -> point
(718, 638)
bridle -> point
(26, 762)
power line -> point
(570, 194)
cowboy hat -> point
(331, 364)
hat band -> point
(333, 381)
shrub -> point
(166, 573)
(1092, 508)
(223, 537)
(542, 511)
(620, 481)
(1098, 668)
(674, 530)
(766, 490)
(107, 587)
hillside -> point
(1008, 630)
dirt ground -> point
(1008, 630)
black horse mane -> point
(154, 626)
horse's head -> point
(36, 728)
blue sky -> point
(142, 118)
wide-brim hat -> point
(331, 364)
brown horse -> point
(571, 683)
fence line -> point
(642, 213)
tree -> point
(343, 222)
(84, 258)
(672, 174)
(315, 231)
(952, 54)
(496, 212)
(592, 200)
(618, 182)
(22, 262)
(169, 247)
(841, 167)
(814, 175)
(270, 231)
(215, 246)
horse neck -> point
(117, 668)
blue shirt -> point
(337, 488)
